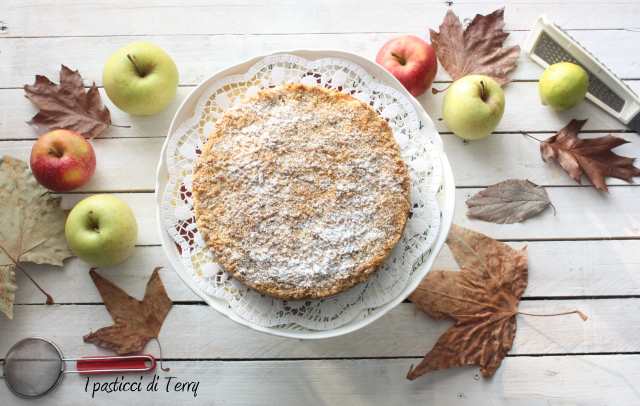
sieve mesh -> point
(33, 367)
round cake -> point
(300, 192)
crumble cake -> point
(300, 192)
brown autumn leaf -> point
(31, 227)
(477, 49)
(68, 105)
(135, 322)
(590, 156)
(482, 298)
(8, 289)
(507, 202)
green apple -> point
(563, 85)
(140, 78)
(473, 106)
(101, 230)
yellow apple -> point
(140, 78)
(473, 106)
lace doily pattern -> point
(418, 148)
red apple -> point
(62, 160)
(411, 60)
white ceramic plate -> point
(446, 199)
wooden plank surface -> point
(500, 157)
(523, 113)
(202, 328)
(111, 174)
(582, 213)
(586, 380)
(199, 56)
(556, 269)
(43, 18)
(587, 256)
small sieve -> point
(34, 366)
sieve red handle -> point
(113, 364)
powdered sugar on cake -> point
(301, 192)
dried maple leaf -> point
(482, 298)
(31, 227)
(476, 49)
(507, 202)
(591, 156)
(8, 289)
(68, 105)
(136, 322)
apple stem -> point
(55, 152)
(483, 91)
(132, 58)
(436, 91)
(583, 316)
(402, 61)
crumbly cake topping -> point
(300, 191)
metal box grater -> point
(548, 44)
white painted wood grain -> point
(585, 380)
(143, 207)
(199, 56)
(404, 331)
(582, 213)
(500, 157)
(16, 110)
(201, 46)
(123, 164)
(556, 268)
(589, 380)
(509, 156)
(482, 163)
(71, 284)
(575, 268)
(43, 18)
(523, 113)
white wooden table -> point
(586, 257)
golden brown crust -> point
(300, 192)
